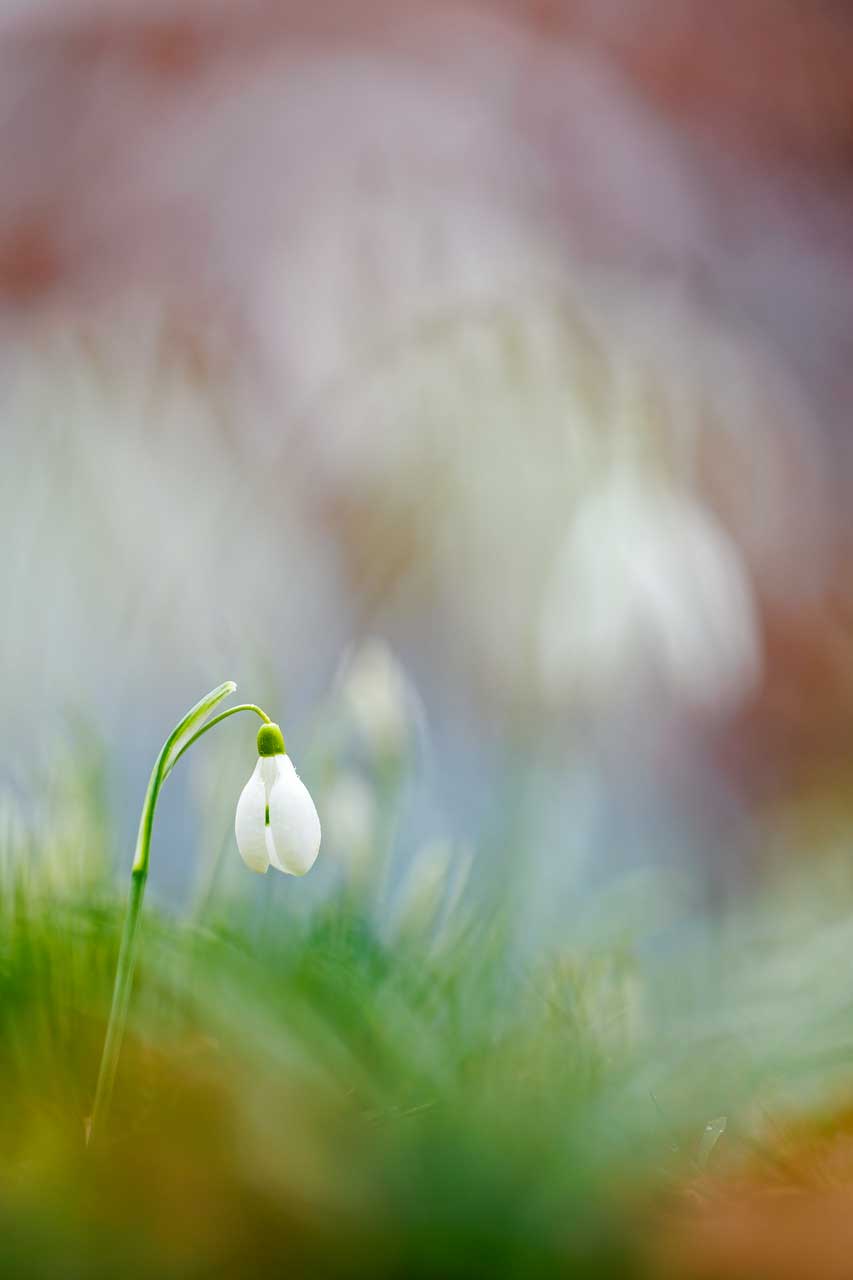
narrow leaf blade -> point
(193, 721)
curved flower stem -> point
(169, 755)
(223, 715)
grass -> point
(311, 1092)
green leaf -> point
(193, 721)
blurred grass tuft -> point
(307, 1091)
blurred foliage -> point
(320, 1093)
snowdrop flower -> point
(276, 822)
(350, 811)
(649, 585)
(350, 819)
(376, 695)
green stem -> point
(223, 715)
(165, 763)
(121, 999)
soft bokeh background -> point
(472, 384)
(512, 337)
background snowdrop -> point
(649, 595)
(377, 698)
(351, 823)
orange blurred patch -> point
(785, 1214)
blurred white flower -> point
(649, 590)
(375, 695)
(350, 811)
(349, 816)
(276, 822)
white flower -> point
(649, 586)
(276, 822)
(350, 812)
(376, 695)
(350, 819)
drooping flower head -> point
(276, 822)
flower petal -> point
(250, 823)
(294, 823)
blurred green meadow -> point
(387, 1080)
